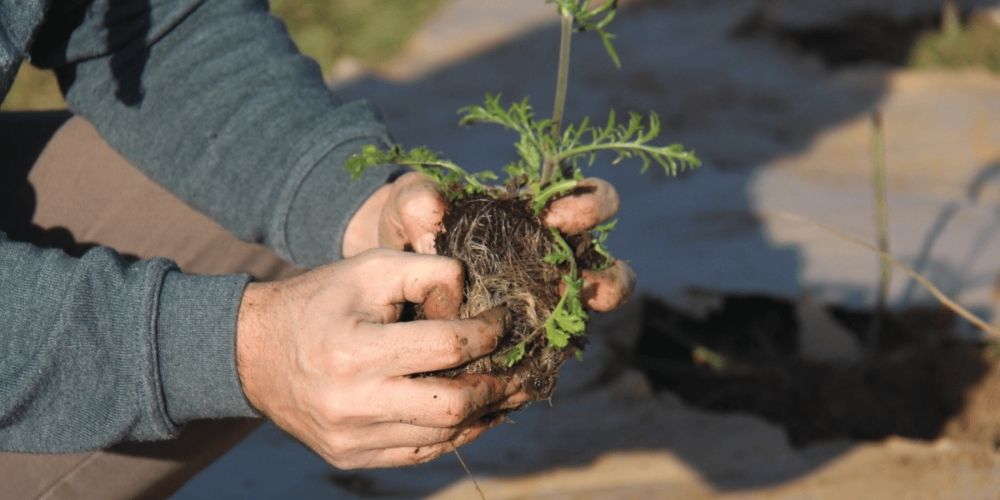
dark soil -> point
(911, 387)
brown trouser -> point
(62, 185)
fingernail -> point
(425, 244)
(516, 401)
(497, 315)
(514, 386)
(440, 304)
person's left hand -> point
(408, 214)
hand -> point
(408, 213)
(595, 201)
(321, 355)
(405, 214)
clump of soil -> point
(503, 245)
(911, 386)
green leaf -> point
(598, 237)
(625, 140)
(513, 355)
(556, 337)
(453, 179)
(603, 229)
(609, 46)
(554, 258)
(568, 318)
(597, 19)
(570, 324)
(370, 156)
(518, 117)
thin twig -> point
(875, 330)
(469, 473)
(951, 19)
(991, 332)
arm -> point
(94, 351)
(213, 101)
(127, 325)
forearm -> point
(213, 101)
(94, 351)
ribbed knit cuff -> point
(196, 342)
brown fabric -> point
(75, 194)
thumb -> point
(594, 201)
(418, 208)
(433, 281)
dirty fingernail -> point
(499, 315)
(440, 304)
(425, 244)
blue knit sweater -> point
(212, 100)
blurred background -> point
(370, 33)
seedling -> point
(495, 226)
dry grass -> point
(976, 45)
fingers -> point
(444, 403)
(595, 201)
(415, 214)
(417, 454)
(607, 289)
(433, 345)
(423, 454)
(436, 282)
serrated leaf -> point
(570, 324)
(451, 178)
(518, 117)
(627, 140)
(556, 337)
(513, 355)
(587, 18)
(603, 229)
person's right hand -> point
(322, 356)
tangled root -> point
(503, 245)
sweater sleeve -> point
(213, 101)
(95, 351)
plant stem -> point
(951, 23)
(542, 198)
(447, 165)
(562, 82)
(882, 226)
